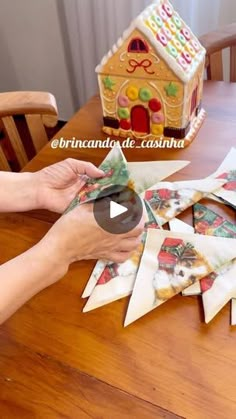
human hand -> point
(76, 236)
(58, 184)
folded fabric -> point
(227, 172)
(117, 280)
(116, 173)
(169, 199)
(208, 222)
(179, 226)
(170, 263)
(218, 289)
(136, 175)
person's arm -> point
(18, 191)
(24, 276)
(51, 188)
(75, 236)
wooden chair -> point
(39, 110)
(215, 42)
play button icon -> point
(118, 209)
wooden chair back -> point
(39, 110)
(215, 42)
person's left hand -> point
(58, 184)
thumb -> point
(86, 168)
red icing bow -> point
(145, 64)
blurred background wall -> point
(54, 45)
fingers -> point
(85, 168)
(119, 257)
(129, 245)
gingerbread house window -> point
(137, 45)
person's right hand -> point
(77, 236)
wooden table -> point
(56, 362)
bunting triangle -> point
(170, 263)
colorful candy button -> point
(145, 94)
(157, 129)
(158, 21)
(187, 57)
(181, 38)
(195, 45)
(123, 101)
(181, 61)
(171, 27)
(190, 50)
(177, 44)
(154, 104)
(186, 33)
(177, 21)
(162, 38)
(125, 124)
(132, 92)
(167, 33)
(157, 118)
(152, 25)
(163, 14)
(172, 50)
(168, 9)
(123, 113)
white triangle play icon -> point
(116, 209)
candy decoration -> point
(154, 104)
(123, 101)
(152, 25)
(172, 50)
(181, 38)
(187, 57)
(157, 118)
(167, 33)
(132, 92)
(123, 113)
(108, 83)
(181, 61)
(163, 14)
(177, 44)
(125, 124)
(177, 21)
(162, 38)
(145, 94)
(171, 26)
(190, 49)
(171, 89)
(158, 21)
(195, 45)
(186, 33)
(157, 129)
(168, 9)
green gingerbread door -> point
(140, 119)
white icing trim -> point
(139, 24)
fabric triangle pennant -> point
(168, 199)
(145, 174)
(116, 173)
(170, 263)
(117, 280)
(227, 172)
(136, 175)
(208, 222)
(179, 226)
(218, 289)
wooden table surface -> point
(56, 362)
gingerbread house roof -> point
(170, 37)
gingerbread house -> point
(151, 80)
